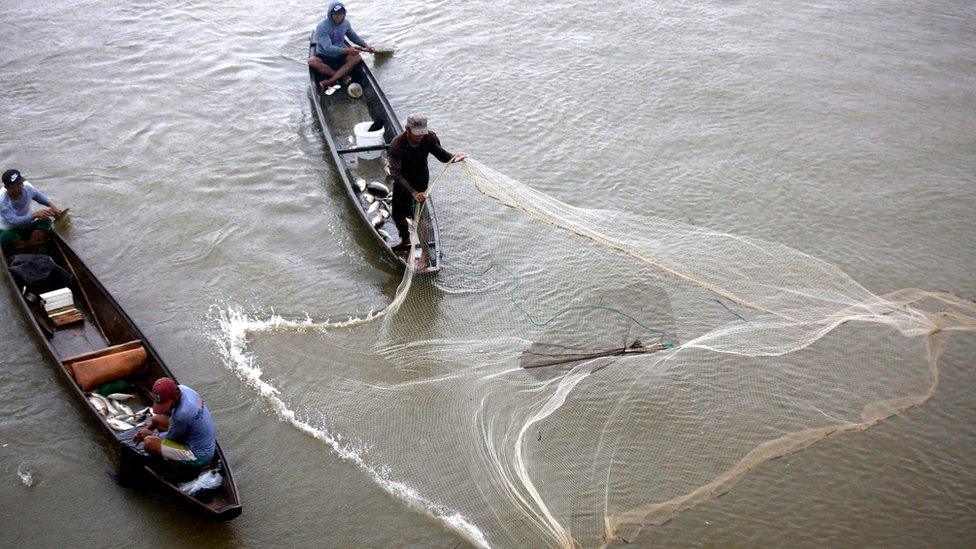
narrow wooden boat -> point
(338, 113)
(103, 333)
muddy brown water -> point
(181, 135)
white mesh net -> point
(647, 370)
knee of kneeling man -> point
(153, 445)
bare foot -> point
(421, 263)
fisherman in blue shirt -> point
(20, 228)
(333, 58)
(186, 432)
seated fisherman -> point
(186, 430)
(333, 59)
(19, 227)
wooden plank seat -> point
(91, 370)
(134, 344)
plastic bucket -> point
(366, 138)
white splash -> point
(232, 345)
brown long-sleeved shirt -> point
(408, 163)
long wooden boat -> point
(338, 113)
(105, 330)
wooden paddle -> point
(61, 219)
(91, 310)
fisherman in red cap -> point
(186, 431)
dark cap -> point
(164, 393)
(12, 177)
(337, 7)
(417, 124)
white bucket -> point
(366, 138)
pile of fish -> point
(376, 197)
(119, 416)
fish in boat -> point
(98, 405)
(120, 396)
(119, 425)
(140, 418)
(124, 410)
(360, 185)
(377, 221)
(108, 403)
(368, 198)
(377, 189)
(135, 416)
(379, 207)
(384, 234)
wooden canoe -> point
(105, 329)
(337, 114)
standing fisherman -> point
(408, 166)
(333, 59)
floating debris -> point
(25, 475)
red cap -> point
(164, 393)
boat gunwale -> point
(125, 452)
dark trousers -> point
(9, 238)
(403, 207)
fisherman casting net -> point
(646, 366)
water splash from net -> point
(573, 375)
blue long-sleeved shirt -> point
(190, 423)
(14, 213)
(330, 39)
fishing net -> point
(639, 368)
